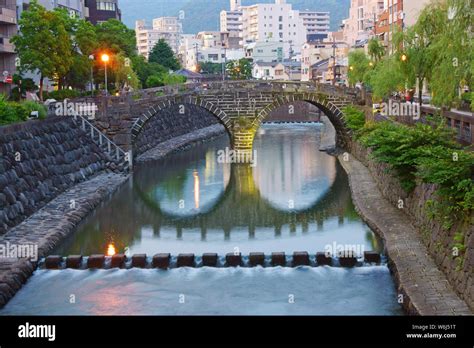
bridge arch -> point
(157, 108)
(321, 101)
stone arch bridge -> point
(241, 106)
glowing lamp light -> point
(371, 64)
(105, 57)
(351, 68)
(404, 57)
(111, 250)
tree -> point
(452, 49)
(145, 70)
(386, 78)
(114, 37)
(240, 69)
(43, 43)
(376, 50)
(163, 55)
(358, 67)
(210, 68)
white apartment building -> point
(265, 51)
(274, 22)
(212, 39)
(315, 22)
(187, 50)
(206, 47)
(167, 28)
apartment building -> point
(8, 28)
(265, 51)
(360, 25)
(315, 22)
(167, 28)
(102, 10)
(397, 14)
(231, 22)
(274, 22)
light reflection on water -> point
(296, 198)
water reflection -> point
(296, 198)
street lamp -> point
(351, 68)
(404, 58)
(105, 58)
(91, 58)
(371, 64)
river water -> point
(295, 198)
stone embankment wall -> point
(170, 123)
(39, 160)
(440, 242)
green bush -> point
(30, 106)
(8, 112)
(61, 94)
(12, 112)
(355, 118)
(401, 146)
(154, 81)
(428, 154)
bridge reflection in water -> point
(295, 198)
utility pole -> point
(334, 61)
(224, 63)
(375, 24)
(197, 56)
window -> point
(105, 6)
(280, 19)
(213, 56)
(280, 27)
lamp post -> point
(105, 58)
(91, 58)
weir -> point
(167, 261)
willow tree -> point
(453, 50)
(359, 66)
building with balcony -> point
(265, 51)
(167, 28)
(315, 22)
(360, 25)
(274, 22)
(397, 14)
(8, 28)
(231, 22)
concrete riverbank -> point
(177, 143)
(422, 288)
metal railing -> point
(115, 152)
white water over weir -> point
(166, 261)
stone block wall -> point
(439, 241)
(39, 160)
(170, 123)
